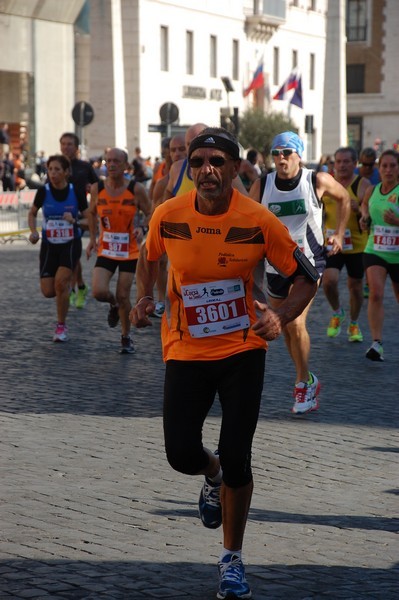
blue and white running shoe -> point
(210, 508)
(232, 579)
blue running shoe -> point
(210, 508)
(232, 579)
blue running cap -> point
(288, 139)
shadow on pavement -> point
(271, 516)
(131, 580)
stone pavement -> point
(90, 508)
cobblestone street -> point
(90, 509)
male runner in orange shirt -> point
(213, 338)
(116, 203)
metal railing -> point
(14, 209)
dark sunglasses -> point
(284, 151)
(196, 162)
(368, 164)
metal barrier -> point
(14, 209)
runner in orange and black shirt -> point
(214, 333)
(116, 202)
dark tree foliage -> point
(257, 129)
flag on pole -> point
(293, 82)
(258, 80)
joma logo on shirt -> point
(208, 230)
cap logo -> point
(220, 142)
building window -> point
(294, 58)
(312, 5)
(276, 66)
(213, 57)
(312, 68)
(236, 62)
(355, 79)
(356, 21)
(189, 52)
(164, 48)
(355, 133)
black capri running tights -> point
(190, 390)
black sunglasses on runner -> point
(284, 151)
(196, 162)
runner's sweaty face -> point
(287, 166)
(57, 174)
(389, 170)
(68, 147)
(213, 183)
(177, 148)
(116, 163)
(344, 165)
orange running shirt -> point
(160, 172)
(209, 256)
(116, 215)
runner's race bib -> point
(386, 239)
(215, 308)
(347, 242)
(59, 231)
(115, 245)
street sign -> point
(169, 113)
(82, 113)
(157, 128)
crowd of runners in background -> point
(230, 255)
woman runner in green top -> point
(380, 215)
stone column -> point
(334, 110)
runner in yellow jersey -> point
(351, 255)
(180, 179)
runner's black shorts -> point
(392, 269)
(352, 262)
(53, 256)
(111, 264)
(279, 286)
(189, 393)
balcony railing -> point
(276, 8)
(268, 15)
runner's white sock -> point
(225, 552)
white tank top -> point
(301, 212)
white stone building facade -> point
(127, 58)
(135, 55)
(177, 52)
